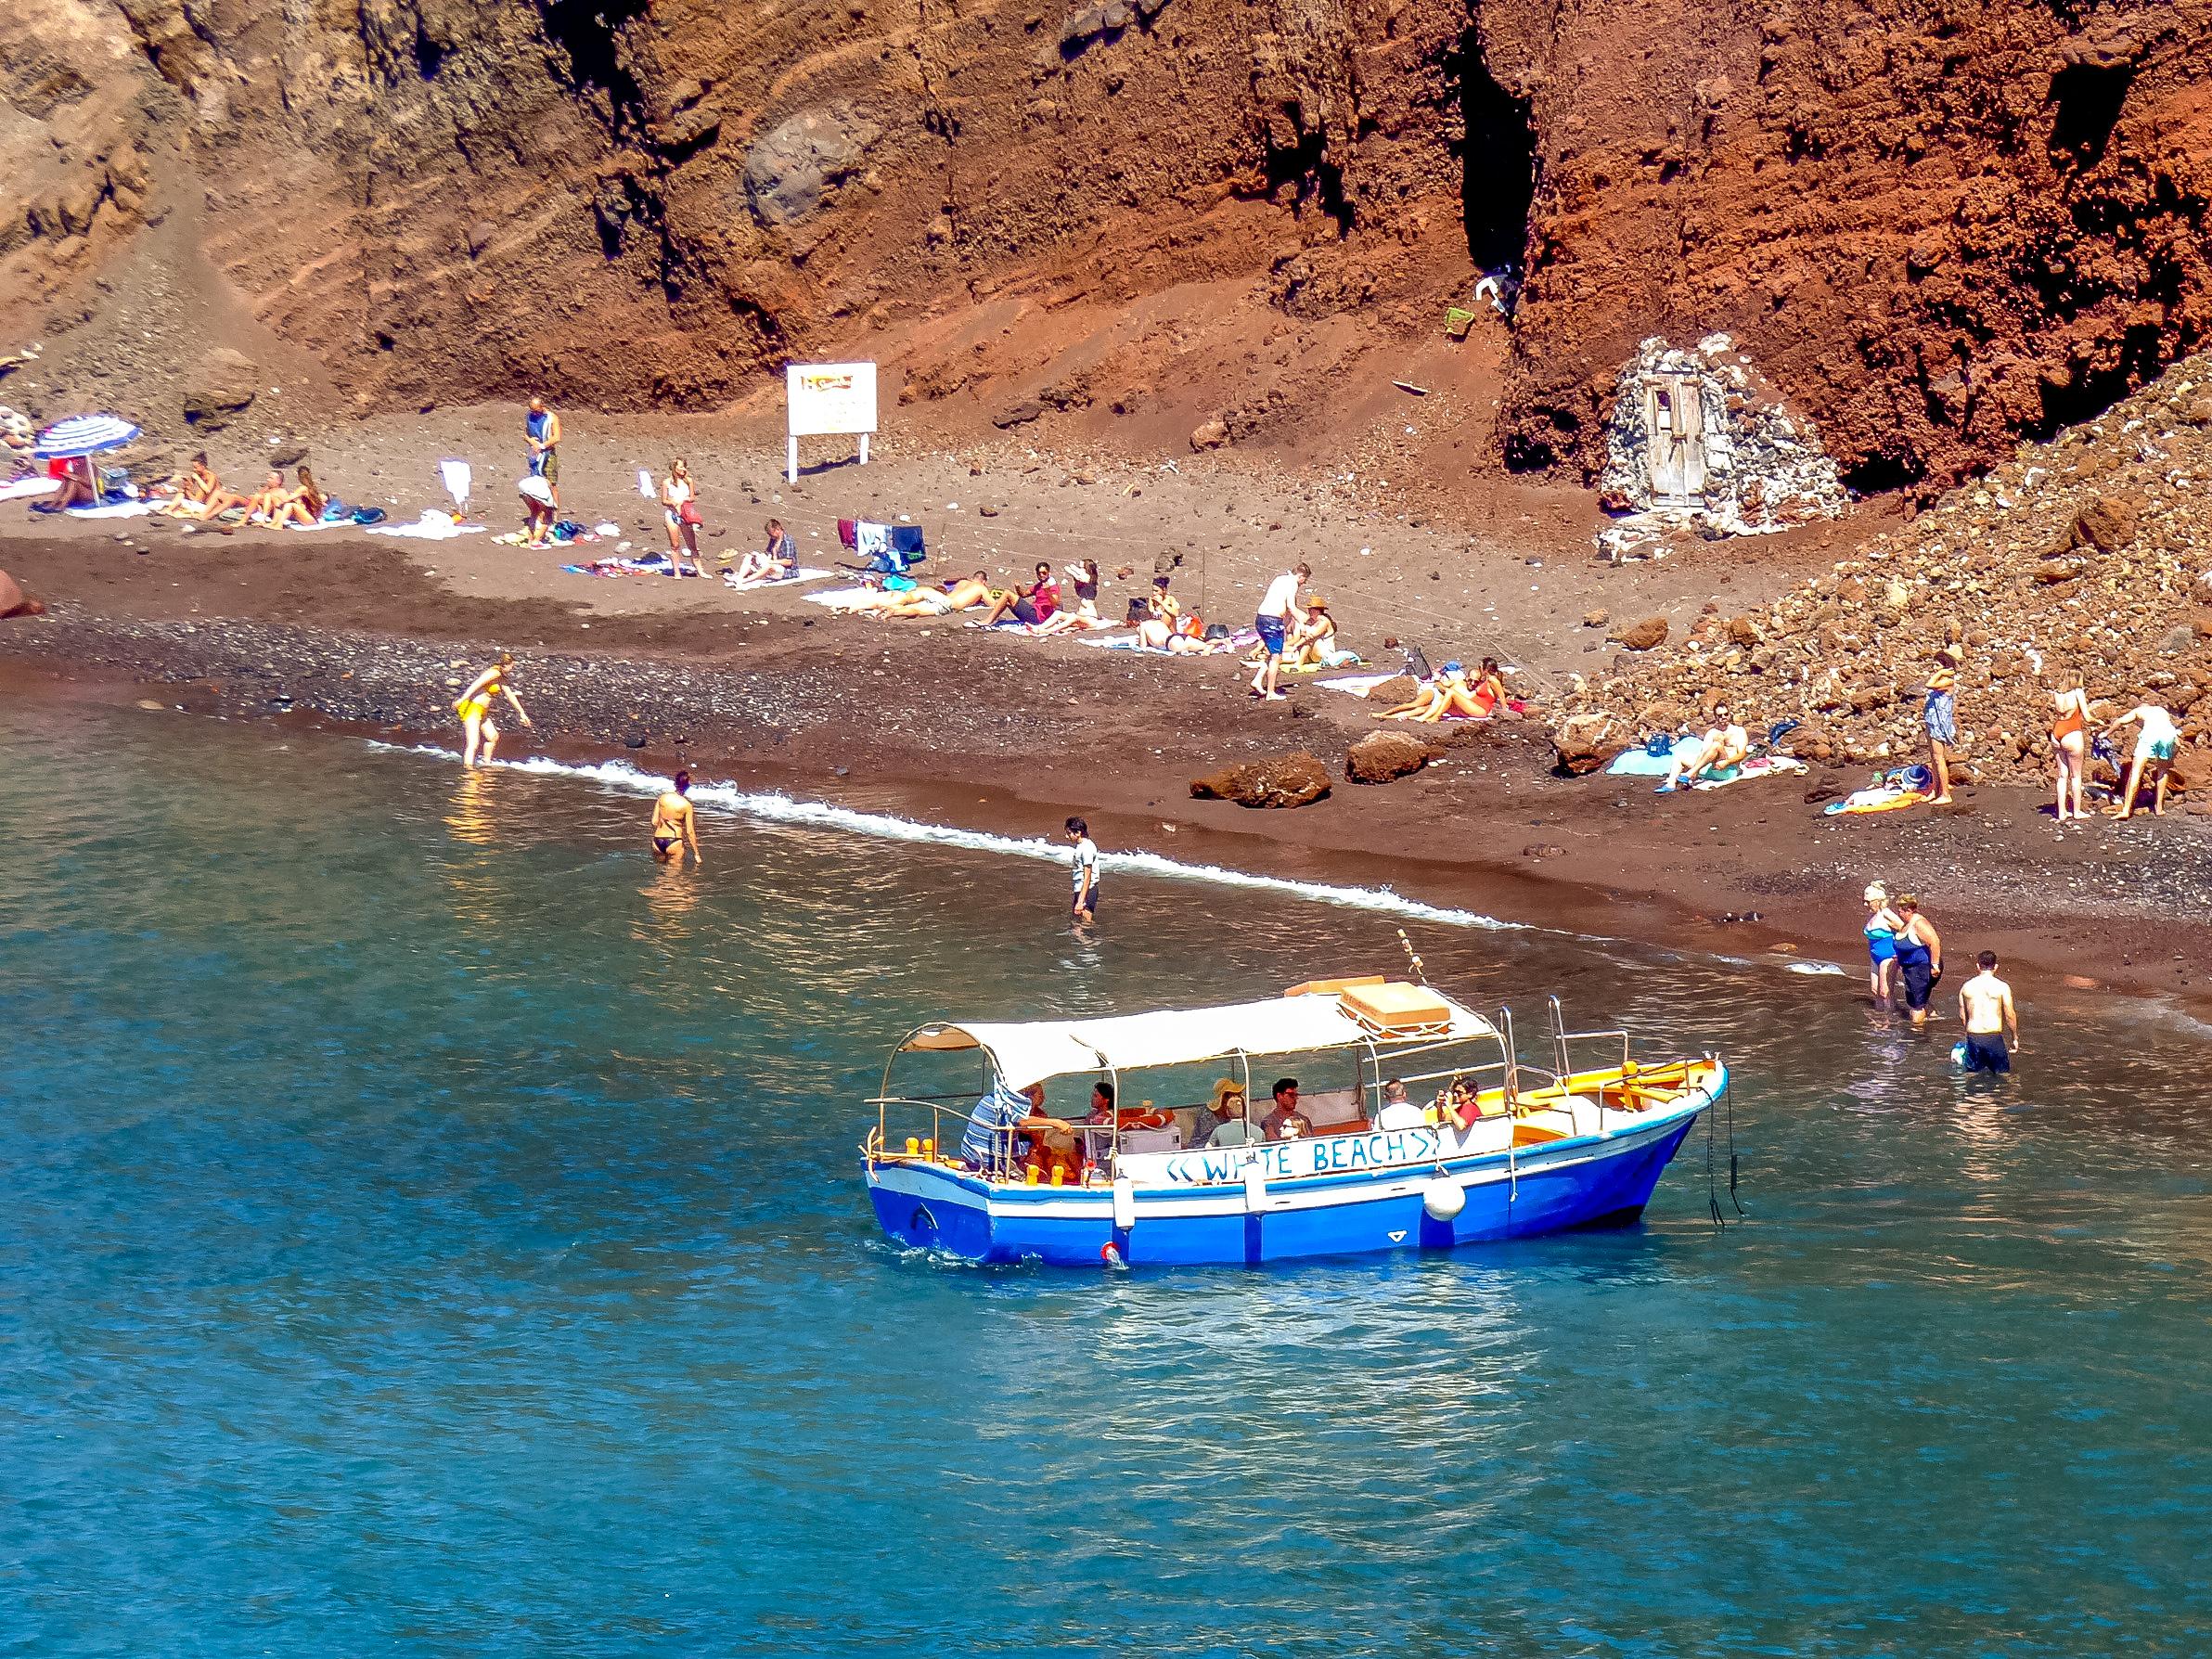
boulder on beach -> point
(1579, 744)
(1399, 688)
(1643, 636)
(1289, 781)
(14, 601)
(1383, 755)
(222, 387)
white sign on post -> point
(824, 399)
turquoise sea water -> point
(430, 1228)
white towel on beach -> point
(25, 489)
(457, 477)
(1357, 684)
(841, 599)
(113, 509)
(791, 581)
(433, 526)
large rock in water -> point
(804, 160)
(1383, 755)
(1289, 780)
(221, 388)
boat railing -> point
(900, 1119)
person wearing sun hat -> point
(1310, 644)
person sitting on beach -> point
(303, 506)
(537, 510)
(1085, 614)
(1027, 605)
(1312, 640)
(777, 561)
(474, 707)
(2156, 746)
(1721, 748)
(80, 485)
(1489, 689)
(200, 495)
(675, 825)
(260, 506)
(1449, 693)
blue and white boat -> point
(1513, 1150)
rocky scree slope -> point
(2090, 555)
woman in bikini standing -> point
(2069, 745)
(474, 707)
(675, 824)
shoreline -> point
(1744, 901)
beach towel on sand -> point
(730, 580)
(433, 526)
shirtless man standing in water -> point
(675, 824)
(1986, 1005)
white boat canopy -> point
(1034, 1051)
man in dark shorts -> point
(1986, 1006)
(1086, 901)
(1277, 611)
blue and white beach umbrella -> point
(82, 434)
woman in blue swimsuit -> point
(1882, 926)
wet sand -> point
(989, 732)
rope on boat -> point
(1731, 1097)
(1712, 1188)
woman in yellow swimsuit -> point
(475, 709)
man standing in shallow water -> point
(1085, 865)
(1986, 1005)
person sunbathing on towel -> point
(1315, 638)
(1168, 629)
(1446, 694)
(1720, 748)
(963, 594)
(303, 506)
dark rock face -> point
(1932, 235)
(1291, 781)
(1382, 756)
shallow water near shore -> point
(430, 1228)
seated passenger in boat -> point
(1455, 1104)
(1286, 1122)
(997, 1137)
(1398, 1111)
(1221, 1120)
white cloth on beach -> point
(433, 526)
(26, 489)
(734, 586)
(113, 509)
(1356, 685)
(456, 476)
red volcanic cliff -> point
(1934, 226)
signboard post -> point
(823, 399)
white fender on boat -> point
(1125, 1203)
(1442, 1198)
(1255, 1187)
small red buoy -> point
(1109, 1255)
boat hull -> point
(1580, 1181)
